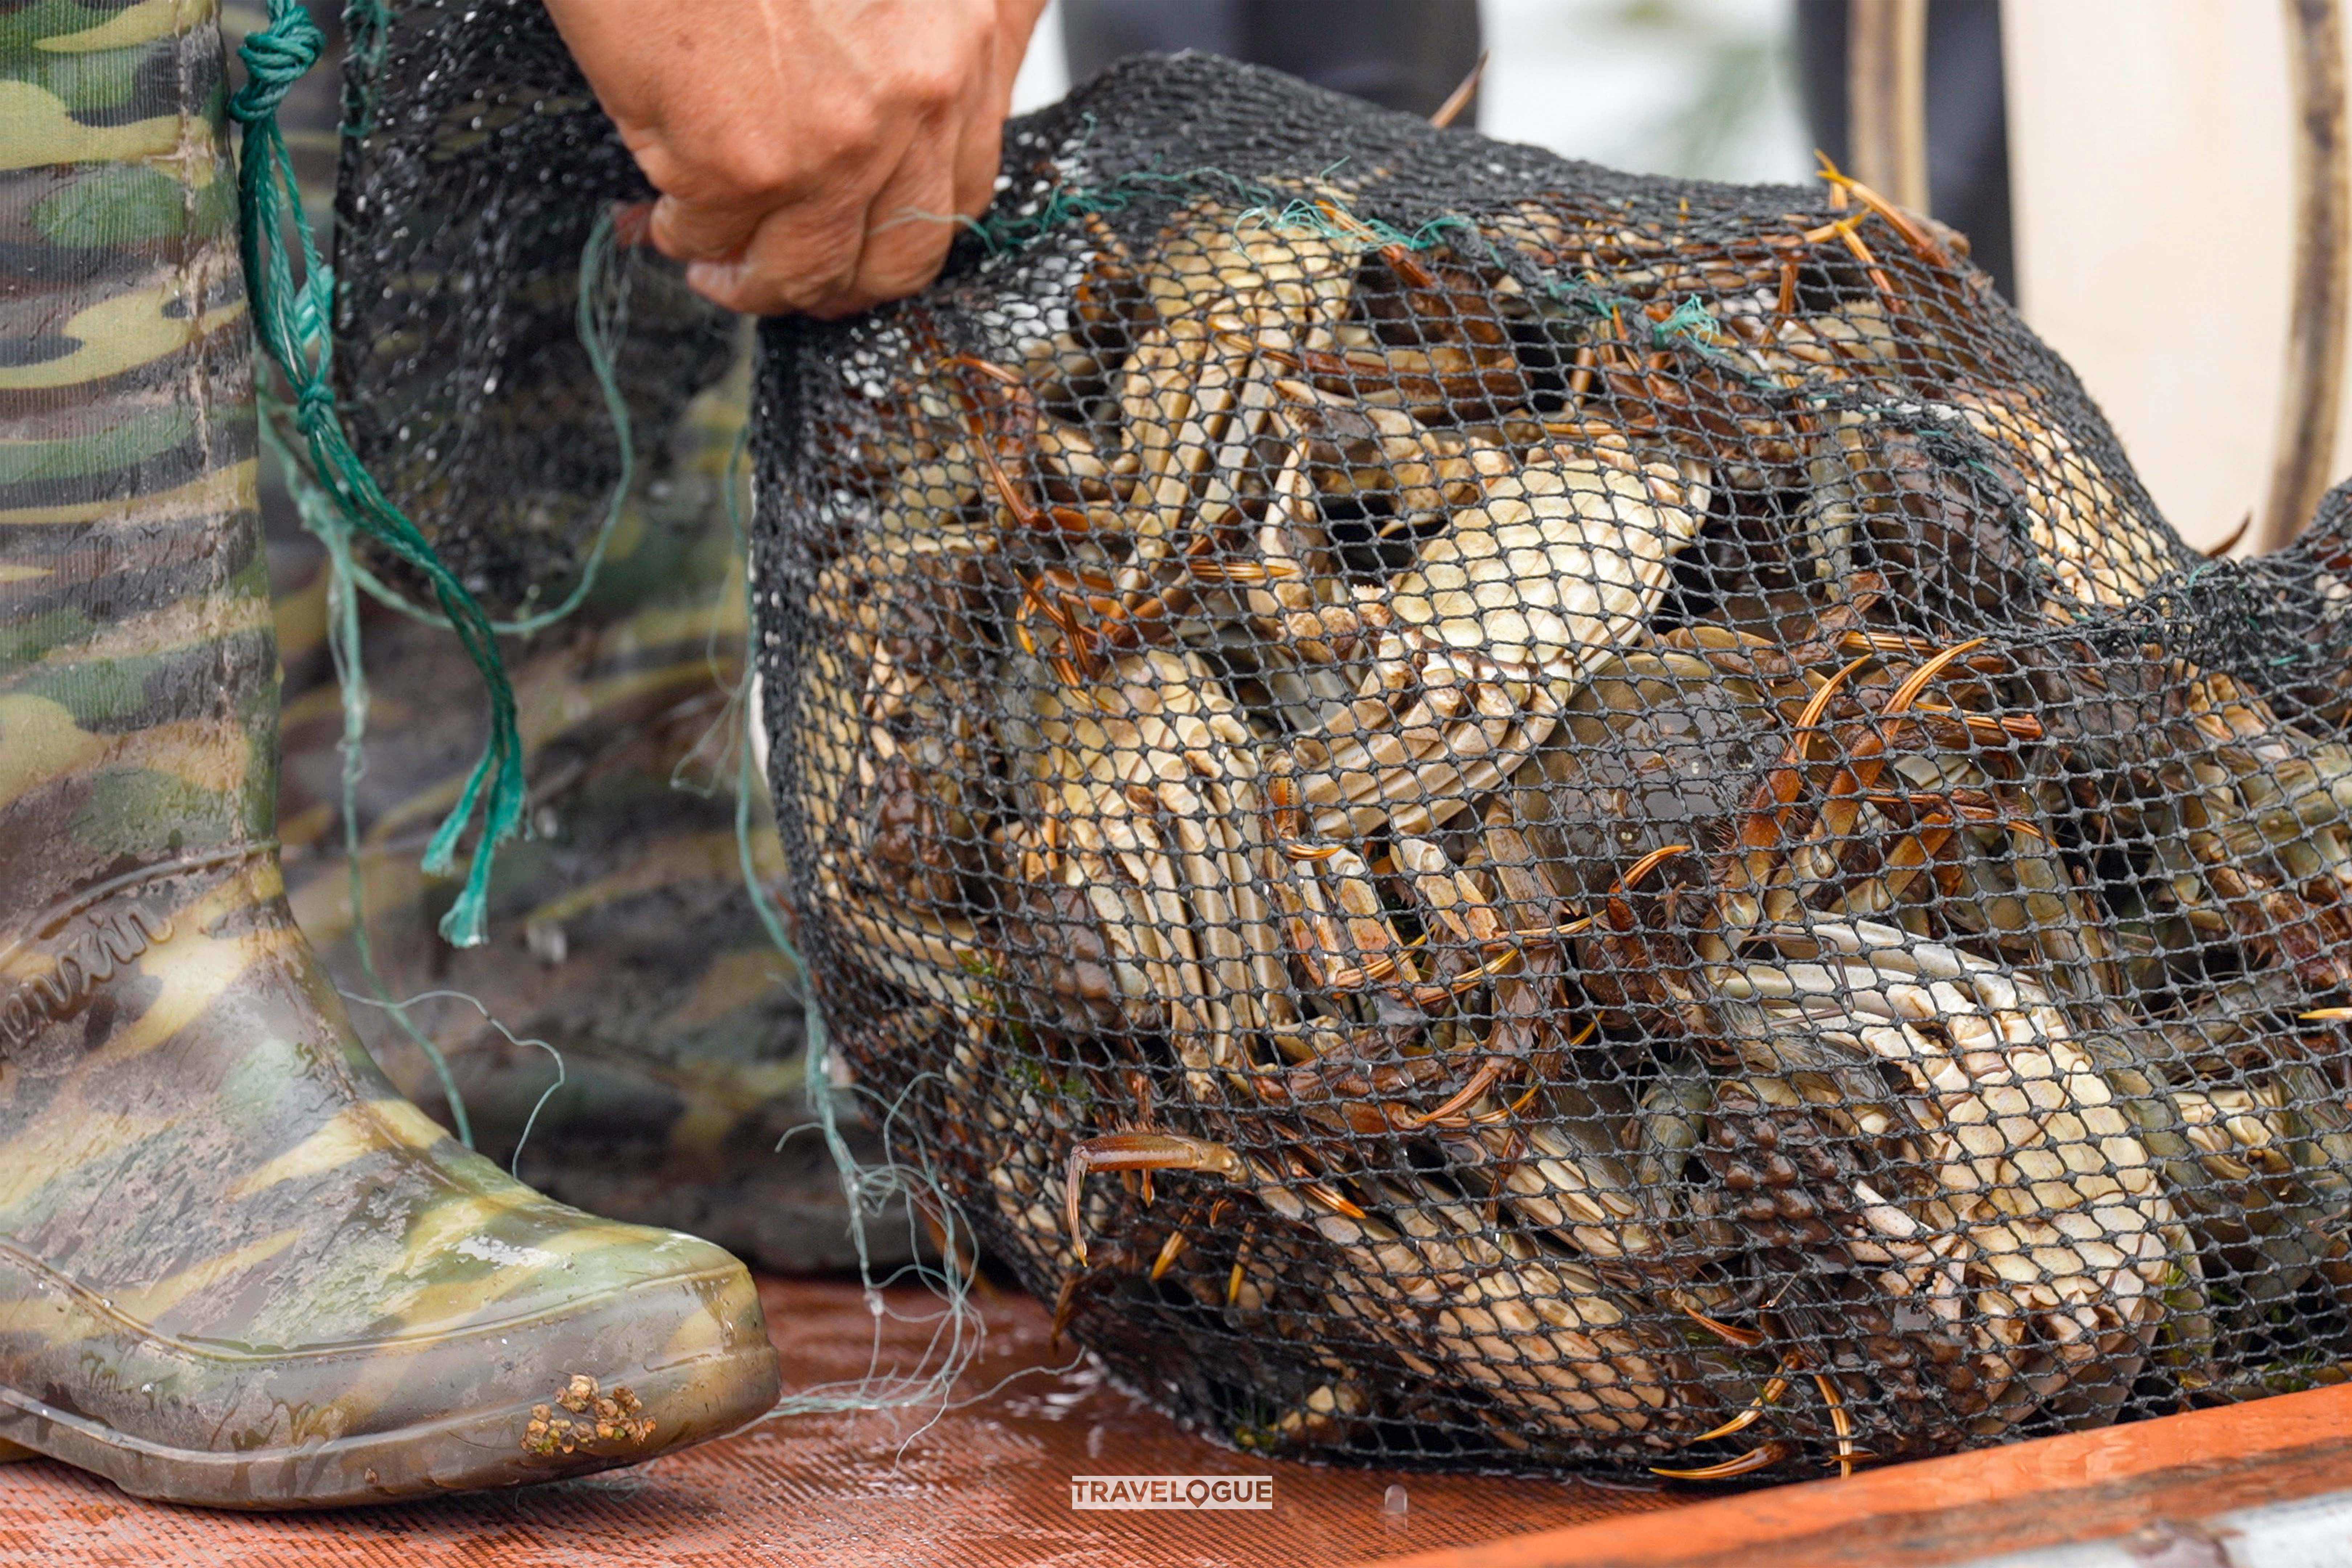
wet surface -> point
(984, 1481)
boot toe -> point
(662, 1346)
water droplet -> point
(546, 939)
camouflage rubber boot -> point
(235, 1268)
(623, 936)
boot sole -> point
(474, 1450)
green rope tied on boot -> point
(296, 326)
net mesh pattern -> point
(476, 169)
(1483, 812)
(1496, 814)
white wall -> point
(1682, 87)
(2150, 160)
(1045, 73)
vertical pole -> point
(1886, 91)
(2314, 382)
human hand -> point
(812, 155)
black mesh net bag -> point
(1485, 813)
(1495, 813)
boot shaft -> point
(137, 673)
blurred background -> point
(1706, 88)
(2123, 166)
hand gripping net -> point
(515, 377)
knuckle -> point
(848, 134)
(675, 234)
(757, 167)
(935, 75)
(803, 278)
(766, 165)
(932, 83)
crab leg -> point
(1762, 1457)
(1139, 1151)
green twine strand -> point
(344, 647)
(294, 323)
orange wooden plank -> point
(2083, 1487)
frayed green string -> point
(562, 1076)
(749, 787)
(344, 647)
(1691, 318)
(294, 324)
(1260, 204)
(1330, 220)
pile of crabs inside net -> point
(1587, 825)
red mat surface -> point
(985, 1482)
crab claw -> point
(1169, 1251)
(1459, 99)
(1139, 1151)
(2215, 552)
(1620, 912)
(1649, 863)
(1841, 1422)
(1749, 1417)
